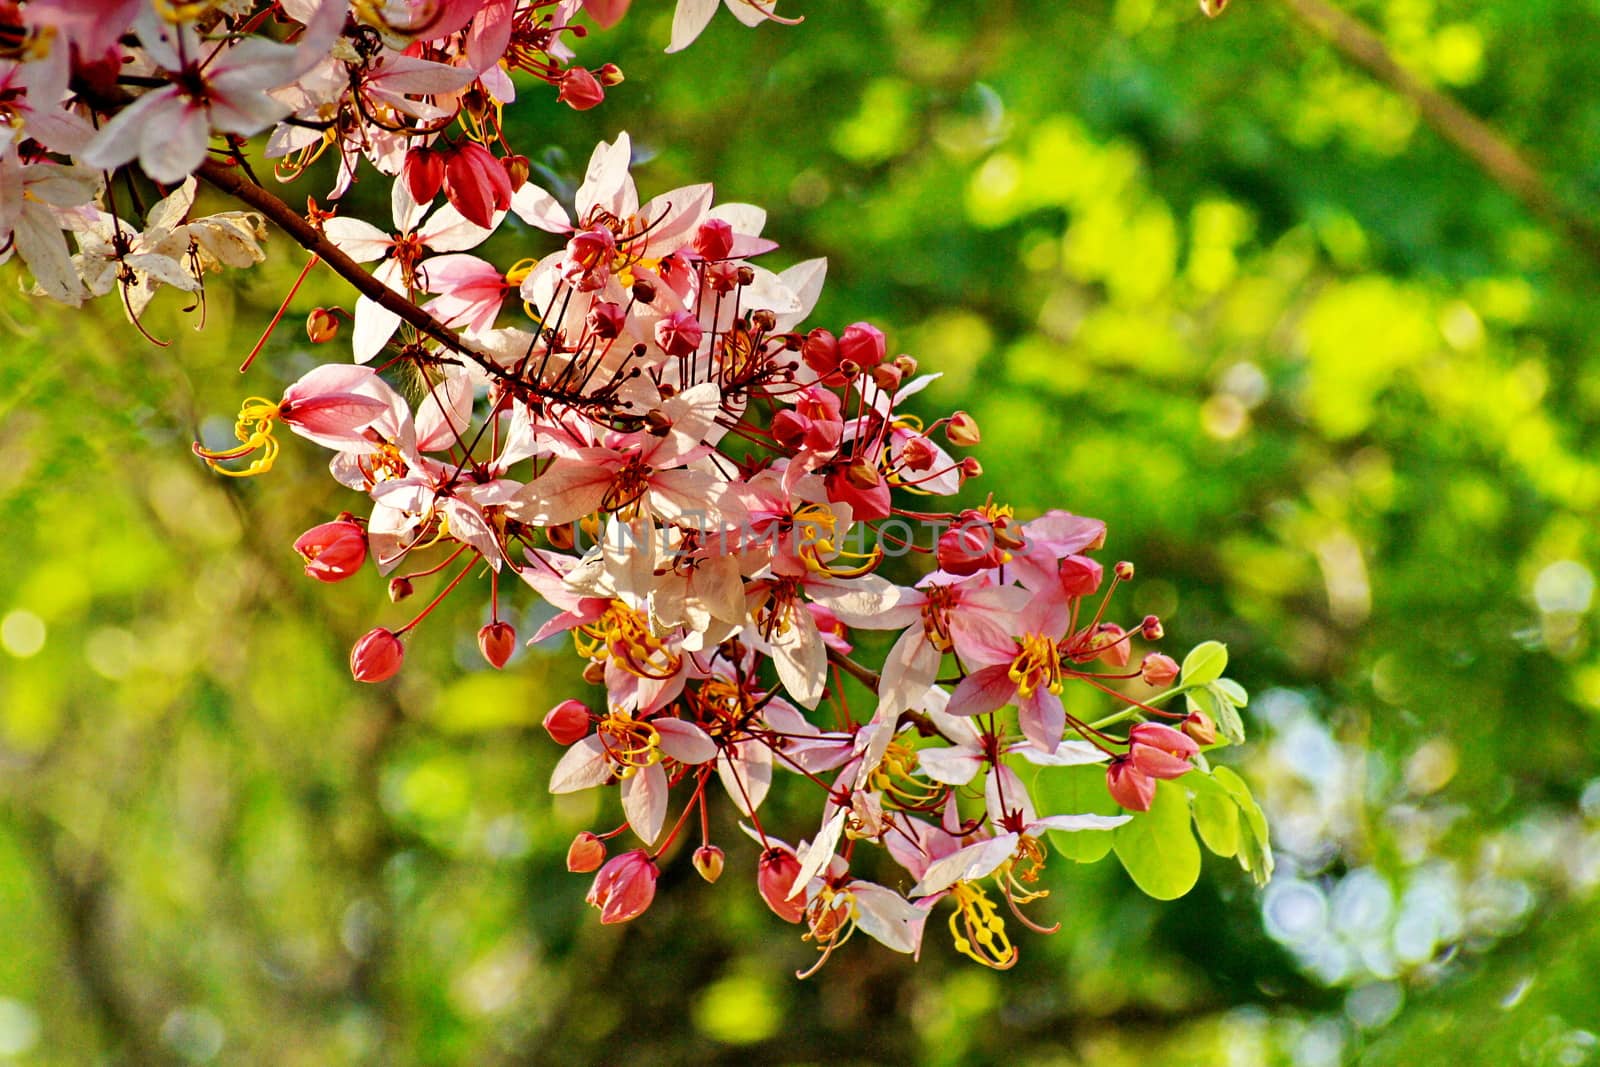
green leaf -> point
(1158, 848)
(1204, 663)
(1075, 791)
(1229, 725)
(1255, 847)
(1216, 814)
(1231, 691)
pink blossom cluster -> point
(632, 427)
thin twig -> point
(1476, 139)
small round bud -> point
(562, 537)
(606, 319)
(962, 430)
(1158, 670)
(764, 320)
(970, 467)
(595, 673)
(517, 169)
(322, 326)
(376, 656)
(644, 292)
(907, 365)
(747, 275)
(679, 334)
(580, 90)
(399, 589)
(586, 853)
(1200, 728)
(863, 344)
(863, 474)
(497, 641)
(609, 74)
(1124, 571)
(887, 377)
(708, 861)
(714, 239)
(568, 722)
(1151, 628)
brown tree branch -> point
(1475, 139)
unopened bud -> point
(1158, 670)
(594, 673)
(747, 275)
(907, 365)
(586, 853)
(970, 467)
(609, 74)
(399, 589)
(708, 861)
(1151, 628)
(764, 320)
(1212, 8)
(1124, 571)
(376, 656)
(887, 377)
(568, 722)
(775, 876)
(679, 334)
(624, 887)
(322, 326)
(1200, 728)
(333, 551)
(714, 239)
(580, 90)
(497, 640)
(423, 173)
(517, 169)
(644, 292)
(863, 344)
(962, 430)
(606, 319)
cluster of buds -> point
(718, 505)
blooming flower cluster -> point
(719, 506)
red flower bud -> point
(423, 173)
(1160, 751)
(567, 722)
(970, 546)
(322, 326)
(1123, 570)
(714, 239)
(820, 350)
(1157, 669)
(476, 183)
(679, 334)
(580, 90)
(1151, 628)
(497, 640)
(708, 860)
(333, 551)
(606, 319)
(399, 589)
(962, 430)
(624, 887)
(1080, 575)
(585, 853)
(1129, 786)
(775, 875)
(376, 656)
(609, 74)
(862, 344)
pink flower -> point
(1129, 786)
(333, 551)
(624, 887)
(775, 877)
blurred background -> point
(1330, 384)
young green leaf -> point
(1078, 790)
(1255, 847)
(1157, 848)
(1204, 664)
(1216, 814)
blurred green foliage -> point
(1331, 387)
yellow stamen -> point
(1037, 663)
(623, 636)
(254, 430)
(630, 744)
(978, 930)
